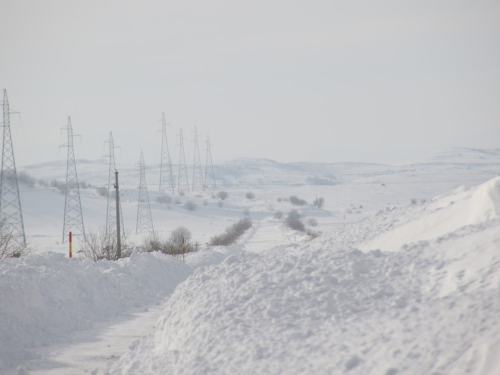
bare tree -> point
(102, 245)
(9, 247)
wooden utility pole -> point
(118, 239)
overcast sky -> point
(287, 80)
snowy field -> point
(404, 278)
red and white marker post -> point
(70, 245)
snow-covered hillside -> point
(404, 278)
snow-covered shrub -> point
(250, 195)
(177, 201)
(319, 202)
(181, 193)
(61, 186)
(279, 199)
(152, 242)
(102, 191)
(190, 206)
(103, 245)
(297, 201)
(24, 178)
(278, 214)
(220, 204)
(293, 221)
(223, 195)
(231, 234)
(165, 199)
(414, 201)
(9, 247)
(312, 222)
(312, 233)
(246, 212)
(174, 244)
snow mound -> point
(444, 215)
(325, 307)
(44, 298)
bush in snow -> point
(250, 195)
(102, 191)
(414, 201)
(278, 214)
(312, 222)
(231, 234)
(152, 242)
(313, 234)
(181, 193)
(246, 212)
(61, 186)
(174, 244)
(177, 201)
(223, 195)
(293, 221)
(279, 199)
(319, 202)
(190, 206)
(9, 247)
(220, 204)
(103, 245)
(165, 199)
(297, 201)
(24, 178)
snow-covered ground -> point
(403, 280)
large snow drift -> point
(444, 215)
(44, 298)
(325, 307)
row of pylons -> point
(11, 217)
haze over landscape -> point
(349, 223)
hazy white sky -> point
(286, 80)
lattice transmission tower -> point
(111, 211)
(166, 174)
(10, 202)
(209, 181)
(182, 181)
(197, 172)
(144, 218)
(73, 217)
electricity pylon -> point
(182, 182)
(73, 217)
(209, 181)
(111, 212)
(144, 218)
(197, 173)
(10, 202)
(166, 174)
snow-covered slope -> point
(325, 307)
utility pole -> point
(73, 217)
(10, 202)
(118, 239)
(113, 213)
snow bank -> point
(444, 215)
(325, 307)
(46, 297)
